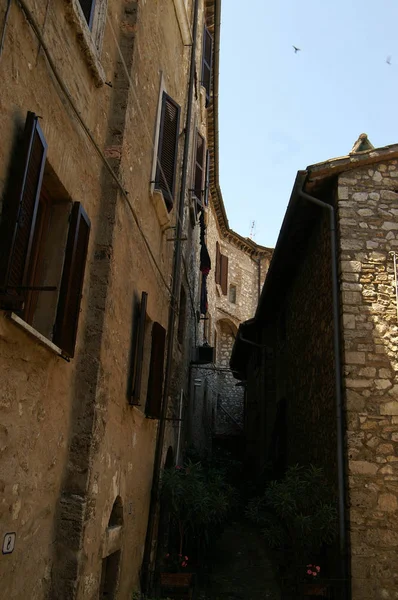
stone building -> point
(104, 122)
(322, 380)
(238, 267)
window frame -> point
(168, 191)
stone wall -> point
(305, 359)
(368, 209)
(247, 270)
(70, 442)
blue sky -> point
(281, 111)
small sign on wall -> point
(9, 542)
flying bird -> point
(388, 60)
(296, 49)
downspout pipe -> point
(343, 542)
(176, 276)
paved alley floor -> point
(240, 568)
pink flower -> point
(309, 566)
(309, 572)
(318, 569)
(314, 574)
(184, 564)
(186, 557)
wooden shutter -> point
(19, 216)
(224, 273)
(139, 351)
(167, 149)
(207, 180)
(206, 62)
(72, 281)
(155, 379)
(199, 167)
(88, 10)
(218, 263)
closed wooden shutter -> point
(139, 351)
(65, 330)
(224, 273)
(207, 181)
(218, 263)
(206, 63)
(199, 167)
(19, 215)
(88, 10)
(167, 149)
(155, 380)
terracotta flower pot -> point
(314, 589)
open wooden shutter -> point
(155, 379)
(167, 149)
(207, 180)
(139, 351)
(19, 215)
(206, 62)
(65, 330)
(88, 10)
(218, 263)
(224, 273)
(199, 167)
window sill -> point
(160, 207)
(183, 22)
(86, 41)
(35, 334)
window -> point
(182, 315)
(167, 150)
(138, 350)
(221, 270)
(232, 294)
(155, 379)
(44, 241)
(199, 168)
(206, 63)
(87, 7)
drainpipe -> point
(344, 563)
(177, 260)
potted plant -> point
(297, 518)
(197, 499)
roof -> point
(317, 179)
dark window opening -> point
(116, 516)
(87, 7)
(167, 150)
(232, 294)
(199, 168)
(138, 349)
(221, 273)
(206, 63)
(109, 576)
(44, 241)
(155, 379)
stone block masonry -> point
(368, 230)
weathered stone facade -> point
(367, 213)
(215, 385)
(74, 451)
(297, 329)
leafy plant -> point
(296, 513)
(198, 499)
